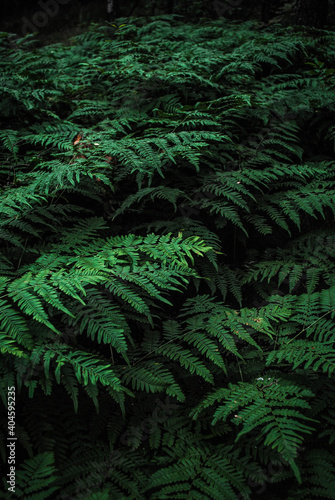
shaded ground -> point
(70, 20)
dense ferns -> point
(167, 261)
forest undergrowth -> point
(167, 273)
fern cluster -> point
(167, 278)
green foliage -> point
(36, 478)
(167, 279)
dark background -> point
(57, 20)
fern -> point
(270, 409)
(36, 479)
(167, 260)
